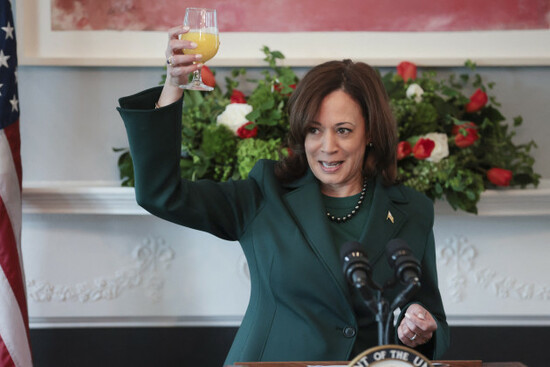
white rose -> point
(441, 148)
(415, 91)
(234, 116)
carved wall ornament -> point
(458, 257)
(508, 287)
(149, 260)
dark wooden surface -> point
(208, 346)
(436, 363)
(305, 364)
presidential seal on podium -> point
(390, 356)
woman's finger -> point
(177, 45)
(412, 339)
(417, 326)
(174, 33)
(177, 60)
(414, 324)
(419, 319)
(183, 70)
(406, 336)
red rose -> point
(237, 97)
(403, 149)
(423, 148)
(278, 87)
(244, 133)
(207, 76)
(456, 128)
(477, 101)
(465, 134)
(499, 176)
(407, 70)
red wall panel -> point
(307, 15)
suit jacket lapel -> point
(384, 221)
(306, 205)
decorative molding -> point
(458, 255)
(500, 320)
(134, 321)
(149, 260)
(88, 198)
(235, 321)
(509, 287)
(459, 259)
(80, 199)
(508, 202)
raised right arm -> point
(223, 209)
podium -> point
(475, 363)
(340, 363)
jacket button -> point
(349, 332)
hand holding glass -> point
(203, 30)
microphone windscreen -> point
(394, 246)
(350, 246)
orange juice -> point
(207, 44)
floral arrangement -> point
(454, 142)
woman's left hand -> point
(417, 327)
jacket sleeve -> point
(154, 135)
(429, 297)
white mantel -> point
(82, 198)
(93, 257)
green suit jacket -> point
(300, 305)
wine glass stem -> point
(197, 77)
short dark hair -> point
(362, 83)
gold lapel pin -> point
(390, 217)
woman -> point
(290, 217)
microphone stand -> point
(359, 273)
(382, 309)
(383, 318)
(379, 306)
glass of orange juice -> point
(203, 30)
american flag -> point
(14, 319)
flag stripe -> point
(8, 259)
(5, 357)
(10, 188)
(13, 316)
(14, 140)
(13, 327)
(14, 321)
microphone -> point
(358, 273)
(400, 257)
(357, 269)
(407, 270)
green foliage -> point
(211, 150)
(125, 166)
(249, 151)
(460, 178)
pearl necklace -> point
(354, 211)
